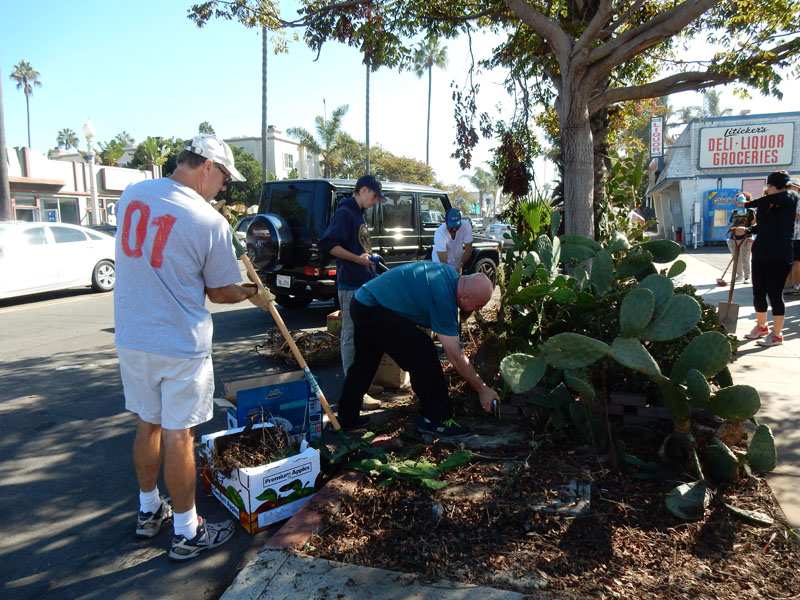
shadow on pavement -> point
(69, 491)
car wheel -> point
(488, 267)
(104, 276)
(287, 301)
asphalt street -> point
(69, 495)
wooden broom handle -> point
(276, 316)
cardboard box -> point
(285, 397)
(335, 322)
(263, 495)
(390, 375)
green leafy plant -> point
(421, 471)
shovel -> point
(728, 312)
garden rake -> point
(241, 254)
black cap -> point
(370, 182)
(778, 179)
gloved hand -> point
(260, 299)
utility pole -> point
(264, 125)
(5, 190)
(367, 144)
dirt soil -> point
(488, 527)
(484, 529)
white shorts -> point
(176, 393)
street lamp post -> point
(89, 133)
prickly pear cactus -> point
(709, 353)
(522, 372)
(698, 388)
(661, 287)
(630, 353)
(735, 403)
(636, 311)
(663, 251)
(761, 453)
(602, 271)
(573, 351)
(720, 464)
(679, 314)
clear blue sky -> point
(144, 67)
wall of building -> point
(689, 170)
(48, 189)
(283, 154)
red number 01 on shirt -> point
(163, 224)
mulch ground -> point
(487, 526)
(484, 529)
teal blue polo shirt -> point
(423, 292)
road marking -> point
(45, 303)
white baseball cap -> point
(211, 147)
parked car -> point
(42, 257)
(282, 239)
(105, 228)
(477, 224)
(500, 232)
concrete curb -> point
(282, 574)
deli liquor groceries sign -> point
(763, 145)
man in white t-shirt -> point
(452, 242)
(173, 251)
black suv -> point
(282, 239)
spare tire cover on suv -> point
(269, 242)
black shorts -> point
(796, 249)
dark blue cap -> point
(453, 218)
(368, 181)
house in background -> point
(283, 155)
(44, 189)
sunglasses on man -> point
(225, 173)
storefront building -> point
(693, 189)
(61, 191)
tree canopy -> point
(583, 56)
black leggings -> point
(378, 331)
(768, 280)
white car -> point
(42, 257)
(500, 232)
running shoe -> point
(209, 535)
(448, 428)
(148, 524)
(757, 332)
(771, 340)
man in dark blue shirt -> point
(347, 239)
(389, 313)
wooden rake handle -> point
(276, 316)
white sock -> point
(185, 523)
(149, 501)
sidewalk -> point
(774, 372)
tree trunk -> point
(428, 131)
(264, 125)
(5, 192)
(602, 163)
(578, 153)
(28, 111)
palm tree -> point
(483, 181)
(712, 100)
(67, 139)
(427, 55)
(27, 78)
(329, 132)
